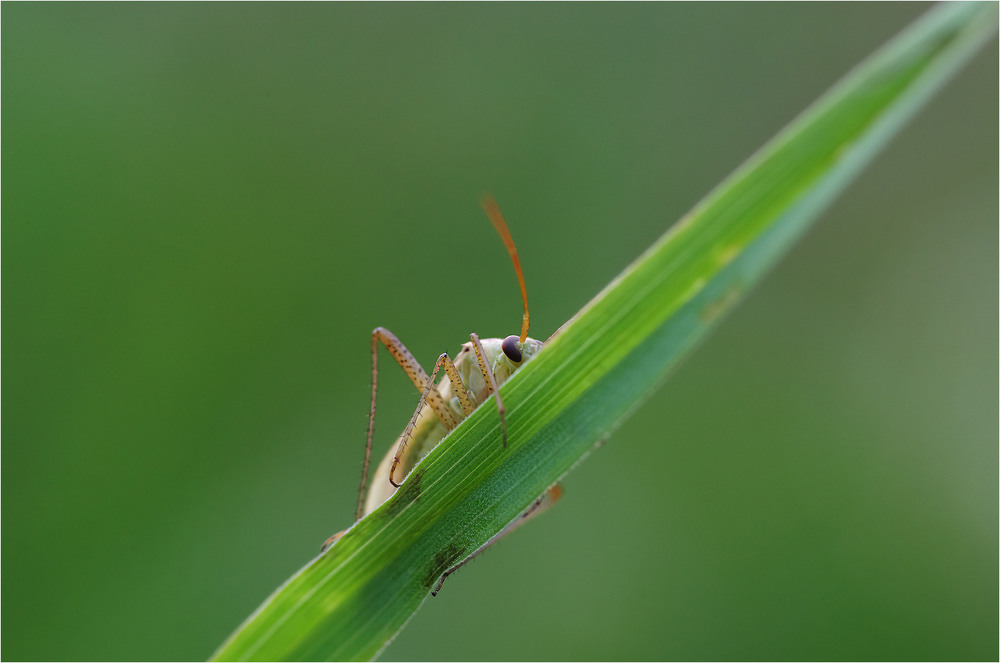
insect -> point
(476, 373)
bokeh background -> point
(208, 207)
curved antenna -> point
(493, 211)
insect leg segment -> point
(371, 432)
(458, 387)
(491, 382)
(416, 374)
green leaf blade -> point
(348, 603)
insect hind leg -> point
(539, 506)
(417, 376)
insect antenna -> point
(493, 211)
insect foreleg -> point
(491, 382)
(457, 386)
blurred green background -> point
(208, 207)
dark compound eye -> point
(509, 347)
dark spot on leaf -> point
(407, 493)
(443, 560)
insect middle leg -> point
(457, 386)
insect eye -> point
(509, 347)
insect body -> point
(467, 383)
(476, 373)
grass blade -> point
(348, 603)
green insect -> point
(476, 373)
